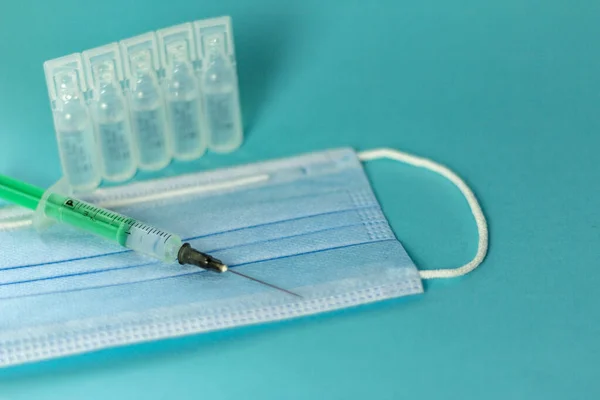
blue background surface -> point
(506, 92)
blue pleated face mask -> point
(309, 224)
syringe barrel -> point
(152, 241)
(113, 226)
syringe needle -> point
(264, 283)
(189, 255)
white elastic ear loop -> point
(482, 229)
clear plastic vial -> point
(183, 104)
(147, 114)
(111, 119)
(221, 99)
(75, 134)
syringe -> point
(110, 225)
(115, 227)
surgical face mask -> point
(310, 224)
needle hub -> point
(188, 255)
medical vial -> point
(148, 116)
(221, 98)
(111, 119)
(75, 135)
(183, 105)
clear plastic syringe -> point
(128, 232)
(110, 225)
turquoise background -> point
(507, 93)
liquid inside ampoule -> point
(184, 107)
(148, 116)
(75, 136)
(219, 87)
(112, 126)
